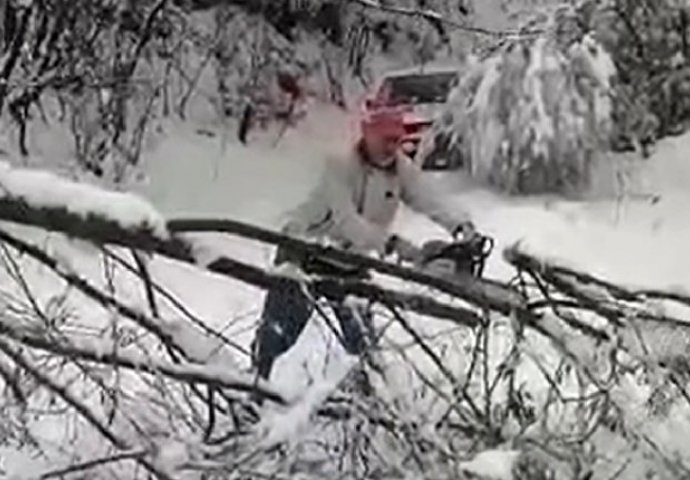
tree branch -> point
(605, 301)
(61, 473)
(90, 291)
(83, 410)
(103, 354)
(100, 230)
(483, 292)
(144, 37)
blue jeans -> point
(287, 310)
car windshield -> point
(417, 88)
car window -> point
(417, 88)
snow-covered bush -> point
(531, 116)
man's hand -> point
(405, 249)
(467, 229)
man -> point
(354, 206)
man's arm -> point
(424, 198)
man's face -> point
(382, 144)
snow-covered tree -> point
(649, 42)
(532, 116)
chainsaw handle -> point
(487, 241)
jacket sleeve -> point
(426, 199)
(349, 224)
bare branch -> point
(148, 283)
(179, 305)
(73, 402)
(90, 291)
(61, 473)
(190, 373)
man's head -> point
(381, 132)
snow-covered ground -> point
(638, 238)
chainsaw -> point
(466, 255)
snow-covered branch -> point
(73, 401)
(90, 291)
(483, 292)
(614, 303)
(46, 201)
(27, 192)
(105, 353)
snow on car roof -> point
(422, 69)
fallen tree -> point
(596, 334)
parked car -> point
(420, 92)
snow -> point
(427, 68)
(170, 456)
(492, 464)
(599, 63)
(42, 189)
(289, 423)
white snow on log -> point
(41, 189)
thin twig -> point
(90, 291)
(190, 373)
(434, 358)
(133, 455)
(163, 292)
(82, 409)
